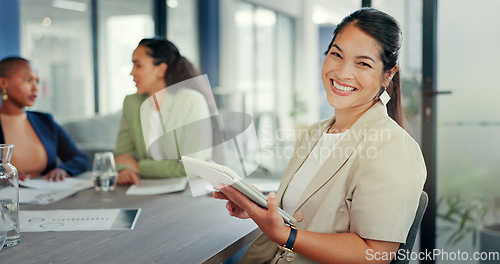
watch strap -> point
(291, 239)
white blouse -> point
(326, 144)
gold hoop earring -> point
(4, 95)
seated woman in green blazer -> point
(354, 181)
(157, 65)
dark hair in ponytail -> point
(385, 29)
(180, 69)
(163, 51)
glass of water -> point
(104, 172)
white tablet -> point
(216, 174)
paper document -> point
(42, 196)
(152, 187)
(78, 220)
(41, 191)
(66, 184)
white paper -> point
(41, 191)
(42, 196)
(152, 187)
(67, 184)
(67, 220)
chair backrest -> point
(95, 134)
(412, 234)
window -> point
(122, 24)
(182, 28)
(263, 45)
(467, 119)
(56, 37)
(409, 15)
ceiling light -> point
(172, 3)
(46, 21)
(70, 5)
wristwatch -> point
(291, 240)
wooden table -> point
(172, 228)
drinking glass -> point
(104, 172)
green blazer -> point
(180, 107)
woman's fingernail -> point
(272, 195)
(220, 186)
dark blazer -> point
(57, 143)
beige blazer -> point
(369, 185)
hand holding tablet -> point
(217, 174)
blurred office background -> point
(264, 58)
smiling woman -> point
(355, 193)
(363, 60)
(352, 75)
(37, 138)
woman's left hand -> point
(268, 220)
(23, 176)
(56, 174)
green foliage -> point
(463, 217)
(410, 89)
(299, 107)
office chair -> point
(412, 234)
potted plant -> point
(489, 235)
(461, 218)
(467, 217)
